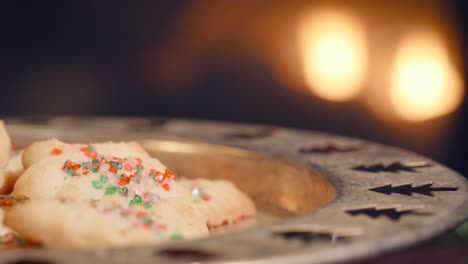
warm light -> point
(333, 48)
(424, 84)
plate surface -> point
(321, 197)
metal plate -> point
(386, 198)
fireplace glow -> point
(424, 83)
(333, 48)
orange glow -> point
(424, 84)
(333, 48)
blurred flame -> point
(424, 84)
(333, 48)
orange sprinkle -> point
(88, 153)
(75, 166)
(139, 161)
(124, 180)
(206, 198)
(85, 172)
(162, 227)
(166, 187)
(141, 214)
(6, 202)
(113, 169)
(128, 167)
(167, 174)
(56, 151)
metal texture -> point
(386, 198)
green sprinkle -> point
(196, 200)
(116, 164)
(117, 176)
(147, 204)
(147, 219)
(154, 178)
(125, 213)
(139, 168)
(136, 200)
(103, 179)
(97, 185)
(111, 190)
(85, 164)
(123, 191)
(90, 147)
(136, 179)
(176, 237)
(94, 200)
(94, 168)
(70, 172)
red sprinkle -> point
(162, 227)
(141, 214)
(124, 180)
(6, 202)
(128, 167)
(206, 198)
(88, 153)
(113, 169)
(167, 174)
(56, 152)
(148, 225)
(166, 187)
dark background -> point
(112, 58)
(107, 58)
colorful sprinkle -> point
(56, 152)
(103, 179)
(123, 191)
(113, 169)
(89, 152)
(136, 200)
(124, 179)
(166, 187)
(116, 164)
(97, 185)
(206, 198)
(139, 168)
(176, 237)
(111, 190)
(196, 191)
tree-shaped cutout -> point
(395, 167)
(261, 133)
(393, 213)
(409, 189)
(329, 149)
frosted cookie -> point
(63, 224)
(220, 201)
(43, 149)
(11, 172)
(8, 238)
(102, 192)
(4, 231)
(5, 145)
(76, 171)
